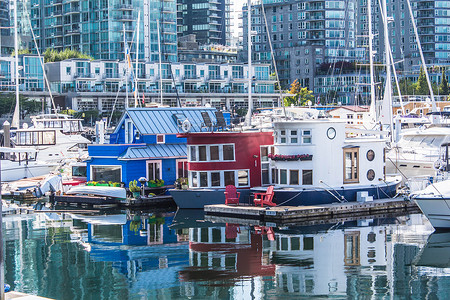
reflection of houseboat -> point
(218, 159)
(218, 253)
(313, 162)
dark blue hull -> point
(197, 198)
(321, 196)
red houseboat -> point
(217, 159)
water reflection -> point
(148, 254)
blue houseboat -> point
(145, 144)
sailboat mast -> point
(137, 60)
(372, 81)
(386, 109)
(16, 117)
(160, 62)
(125, 48)
(416, 34)
(249, 48)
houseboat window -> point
(295, 243)
(265, 173)
(106, 173)
(264, 154)
(351, 165)
(228, 152)
(306, 137)
(214, 153)
(283, 176)
(153, 170)
(203, 179)
(215, 178)
(229, 178)
(193, 153)
(182, 168)
(194, 179)
(242, 177)
(79, 171)
(293, 177)
(294, 139)
(371, 175)
(283, 137)
(307, 177)
(202, 153)
(370, 155)
(160, 138)
(275, 176)
(308, 243)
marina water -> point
(179, 255)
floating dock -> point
(313, 214)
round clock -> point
(331, 133)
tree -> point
(422, 85)
(443, 87)
(51, 55)
(20, 52)
(300, 95)
(27, 106)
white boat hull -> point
(12, 171)
(437, 210)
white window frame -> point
(306, 136)
(208, 153)
(182, 160)
(164, 138)
(127, 123)
(91, 167)
(222, 178)
(147, 162)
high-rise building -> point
(4, 17)
(305, 35)
(99, 28)
(209, 20)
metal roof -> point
(155, 151)
(163, 120)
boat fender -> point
(186, 126)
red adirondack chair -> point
(231, 195)
(265, 198)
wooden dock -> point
(23, 296)
(312, 214)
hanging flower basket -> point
(292, 157)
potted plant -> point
(184, 183)
(159, 182)
(116, 184)
(152, 183)
(134, 188)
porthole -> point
(370, 174)
(370, 155)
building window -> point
(202, 153)
(282, 136)
(194, 179)
(68, 70)
(160, 138)
(283, 176)
(351, 165)
(228, 152)
(203, 179)
(182, 168)
(370, 155)
(306, 137)
(307, 177)
(294, 138)
(242, 178)
(293, 177)
(229, 178)
(106, 173)
(215, 178)
(214, 153)
(193, 153)
(274, 176)
(153, 170)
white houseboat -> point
(314, 162)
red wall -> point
(247, 146)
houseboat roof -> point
(155, 151)
(166, 120)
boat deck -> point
(285, 214)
